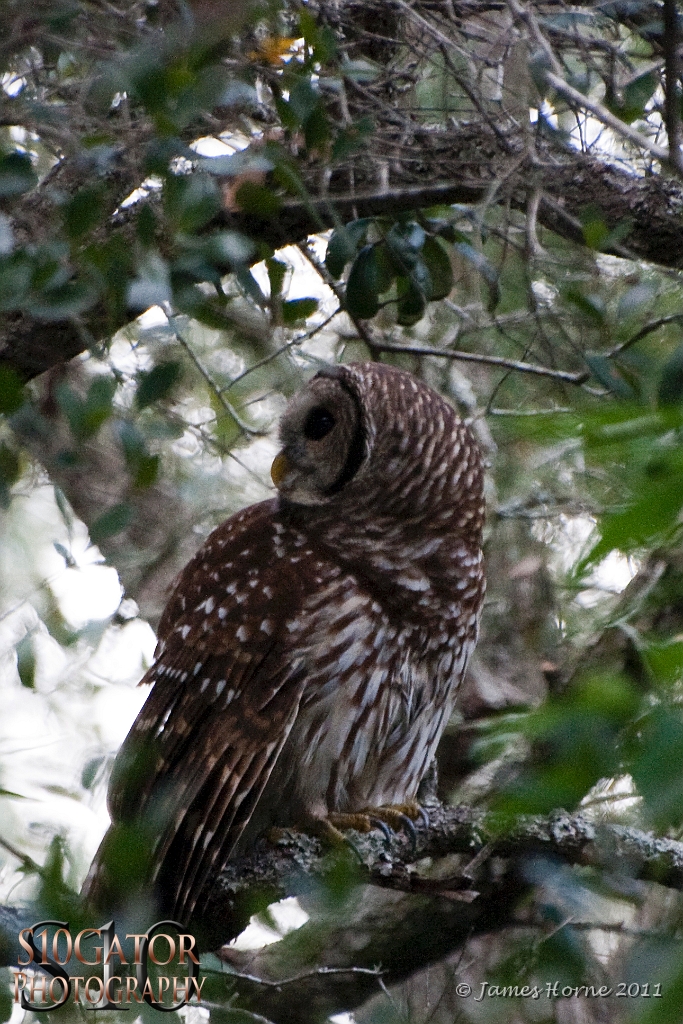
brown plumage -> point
(309, 658)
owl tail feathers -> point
(118, 883)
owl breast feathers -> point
(309, 658)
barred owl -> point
(310, 655)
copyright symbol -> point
(463, 989)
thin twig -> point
(374, 972)
(216, 391)
(534, 248)
(554, 78)
(528, 412)
(475, 357)
(672, 113)
(643, 333)
(23, 858)
(299, 340)
(605, 116)
(364, 331)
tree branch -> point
(475, 357)
(463, 878)
(387, 910)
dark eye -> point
(318, 424)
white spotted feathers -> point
(310, 656)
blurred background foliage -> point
(202, 203)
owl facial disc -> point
(322, 439)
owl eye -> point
(318, 424)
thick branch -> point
(462, 878)
(393, 906)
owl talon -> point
(399, 817)
(424, 816)
(409, 829)
(385, 829)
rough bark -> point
(391, 906)
(462, 879)
(651, 205)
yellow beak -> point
(279, 469)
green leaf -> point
(437, 261)
(86, 416)
(147, 471)
(308, 27)
(16, 175)
(250, 286)
(84, 210)
(64, 508)
(11, 390)
(258, 200)
(352, 138)
(412, 302)
(157, 383)
(113, 260)
(618, 233)
(152, 285)
(143, 467)
(404, 243)
(69, 560)
(635, 97)
(6, 1003)
(645, 521)
(665, 660)
(10, 468)
(209, 310)
(574, 743)
(208, 257)
(303, 100)
(317, 129)
(6, 235)
(655, 759)
(64, 301)
(234, 164)
(592, 306)
(91, 770)
(277, 271)
(161, 151)
(15, 280)
(603, 370)
(483, 267)
(360, 70)
(191, 201)
(298, 309)
(113, 521)
(670, 391)
(343, 245)
(364, 284)
(321, 40)
(146, 225)
(595, 229)
(26, 662)
(9, 473)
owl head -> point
(367, 434)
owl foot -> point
(323, 829)
(388, 819)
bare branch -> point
(554, 78)
(672, 114)
(650, 328)
(319, 972)
(607, 118)
(566, 376)
(463, 878)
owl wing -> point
(225, 697)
